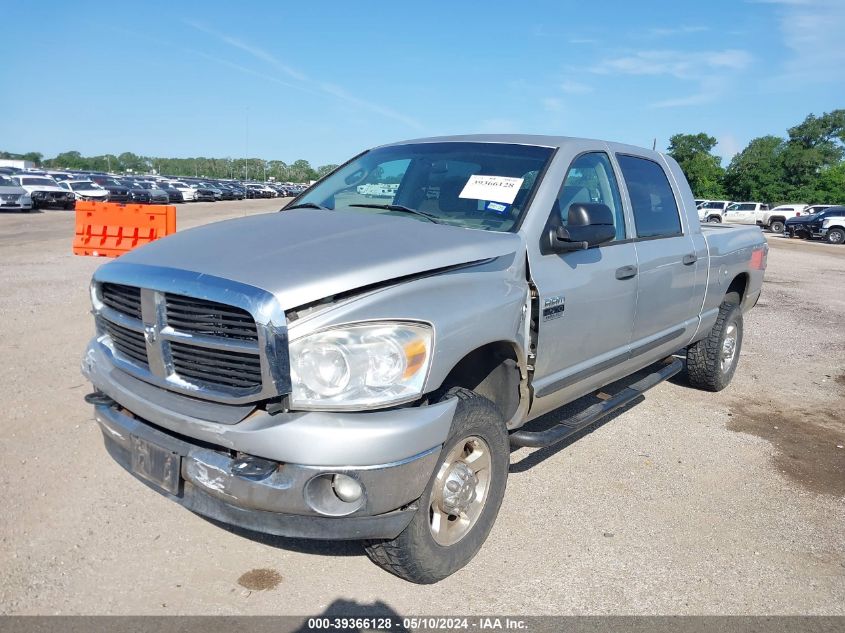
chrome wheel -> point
(729, 348)
(460, 490)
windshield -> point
(475, 185)
(38, 182)
(7, 182)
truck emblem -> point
(553, 308)
(150, 335)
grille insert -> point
(239, 370)
(129, 343)
(208, 318)
(124, 299)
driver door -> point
(587, 297)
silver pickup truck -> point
(360, 368)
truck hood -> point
(302, 256)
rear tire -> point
(714, 219)
(433, 547)
(835, 236)
(776, 226)
(712, 361)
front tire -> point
(460, 503)
(835, 236)
(712, 361)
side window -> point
(652, 200)
(591, 179)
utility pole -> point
(246, 158)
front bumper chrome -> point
(280, 502)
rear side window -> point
(652, 200)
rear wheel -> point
(835, 236)
(712, 361)
(461, 501)
(714, 219)
(776, 226)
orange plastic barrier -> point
(108, 229)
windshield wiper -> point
(401, 209)
(307, 205)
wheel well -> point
(777, 218)
(739, 285)
(491, 371)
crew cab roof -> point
(539, 140)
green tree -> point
(703, 170)
(325, 169)
(757, 172)
(814, 146)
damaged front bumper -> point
(384, 458)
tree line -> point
(808, 165)
(217, 168)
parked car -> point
(137, 193)
(809, 225)
(118, 192)
(157, 194)
(259, 191)
(205, 194)
(45, 192)
(833, 228)
(85, 190)
(217, 191)
(189, 193)
(13, 197)
(173, 194)
(711, 210)
(775, 219)
(364, 368)
(745, 212)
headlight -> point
(360, 366)
(825, 223)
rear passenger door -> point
(666, 258)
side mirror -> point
(588, 224)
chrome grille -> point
(124, 299)
(129, 343)
(208, 318)
(186, 343)
(238, 370)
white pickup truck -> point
(711, 211)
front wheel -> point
(776, 226)
(461, 501)
(712, 361)
(835, 236)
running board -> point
(596, 412)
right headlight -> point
(360, 366)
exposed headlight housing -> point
(360, 366)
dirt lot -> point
(685, 503)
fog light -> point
(346, 488)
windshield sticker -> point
(495, 188)
(496, 207)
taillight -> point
(797, 213)
(758, 258)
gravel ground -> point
(685, 503)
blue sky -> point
(323, 80)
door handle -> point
(690, 259)
(626, 272)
